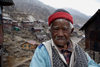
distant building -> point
(41, 38)
(27, 24)
(92, 32)
(15, 23)
(7, 23)
(29, 45)
(38, 29)
(7, 20)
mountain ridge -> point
(42, 11)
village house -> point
(7, 20)
(38, 23)
(27, 24)
(7, 23)
(92, 36)
(41, 37)
(37, 29)
(15, 23)
(92, 32)
(29, 45)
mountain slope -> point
(42, 11)
(34, 7)
(79, 18)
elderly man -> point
(60, 51)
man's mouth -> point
(60, 38)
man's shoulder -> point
(45, 44)
(40, 46)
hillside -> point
(33, 7)
(41, 11)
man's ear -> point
(50, 29)
(72, 30)
(50, 32)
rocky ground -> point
(14, 55)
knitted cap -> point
(61, 14)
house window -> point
(29, 45)
(25, 45)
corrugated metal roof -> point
(7, 18)
(32, 42)
(6, 2)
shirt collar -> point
(70, 47)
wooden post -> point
(99, 57)
(93, 55)
(1, 35)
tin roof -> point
(32, 42)
(7, 18)
(93, 18)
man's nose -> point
(60, 33)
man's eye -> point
(55, 29)
(65, 29)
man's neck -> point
(66, 47)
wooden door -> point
(94, 40)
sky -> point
(88, 7)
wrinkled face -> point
(60, 31)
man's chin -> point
(60, 45)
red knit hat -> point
(57, 15)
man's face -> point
(60, 31)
